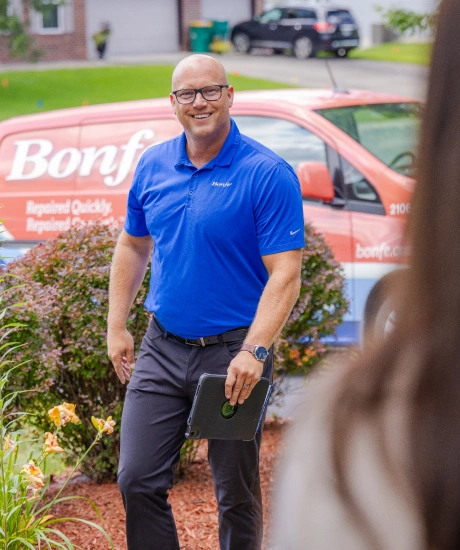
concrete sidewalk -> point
(380, 76)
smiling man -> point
(223, 215)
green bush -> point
(66, 298)
(318, 311)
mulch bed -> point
(192, 499)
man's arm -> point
(275, 305)
(129, 264)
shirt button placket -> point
(191, 189)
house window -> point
(51, 20)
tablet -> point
(212, 416)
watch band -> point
(259, 352)
(248, 347)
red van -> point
(354, 153)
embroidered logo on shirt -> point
(222, 183)
(294, 232)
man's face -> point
(203, 119)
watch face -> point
(261, 353)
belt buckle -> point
(190, 343)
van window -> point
(288, 140)
(388, 131)
(357, 187)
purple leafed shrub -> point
(65, 309)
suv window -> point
(288, 140)
(388, 130)
(269, 16)
(295, 13)
(339, 16)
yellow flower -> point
(51, 444)
(62, 414)
(102, 425)
(34, 476)
(8, 443)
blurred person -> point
(100, 39)
(223, 215)
(373, 460)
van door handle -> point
(273, 27)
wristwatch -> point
(259, 352)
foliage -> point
(67, 301)
(408, 21)
(66, 298)
(21, 44)
(318, 311)
(26, 520)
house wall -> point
(70, 44)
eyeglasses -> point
(209, 93)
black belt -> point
(236, 335)
(230, 336)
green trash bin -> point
(201, 33)
(220, 30)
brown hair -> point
(421, 358)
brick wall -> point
(190, 10)
(258, 6)
(57, 47)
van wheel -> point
(241, 42)
(380, 310)
(303, 48)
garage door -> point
(233, 12)
(138, 26)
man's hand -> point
(243, 374)
(120, 349)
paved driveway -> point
(398, 78)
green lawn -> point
(36, 91)
(394, 51)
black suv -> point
(304, 30)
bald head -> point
(198, 64)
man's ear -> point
(230, 95)
(172, 99)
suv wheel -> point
(341, 52)
(303, 48)
(241, 42)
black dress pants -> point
(157, 405)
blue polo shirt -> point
(210, 227)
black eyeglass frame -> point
(200, 90)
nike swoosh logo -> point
(294, 232)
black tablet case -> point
(206, 420)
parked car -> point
(303, 30)
(354, 153)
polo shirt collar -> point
(225, 156)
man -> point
(223, 215)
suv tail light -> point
(323, 27)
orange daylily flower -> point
(8, 443)
(61, 414)
(102, 425)
(34, 476)
(51, 444)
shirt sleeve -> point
(135, 223)
(278, 211)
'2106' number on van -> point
(399, 208)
